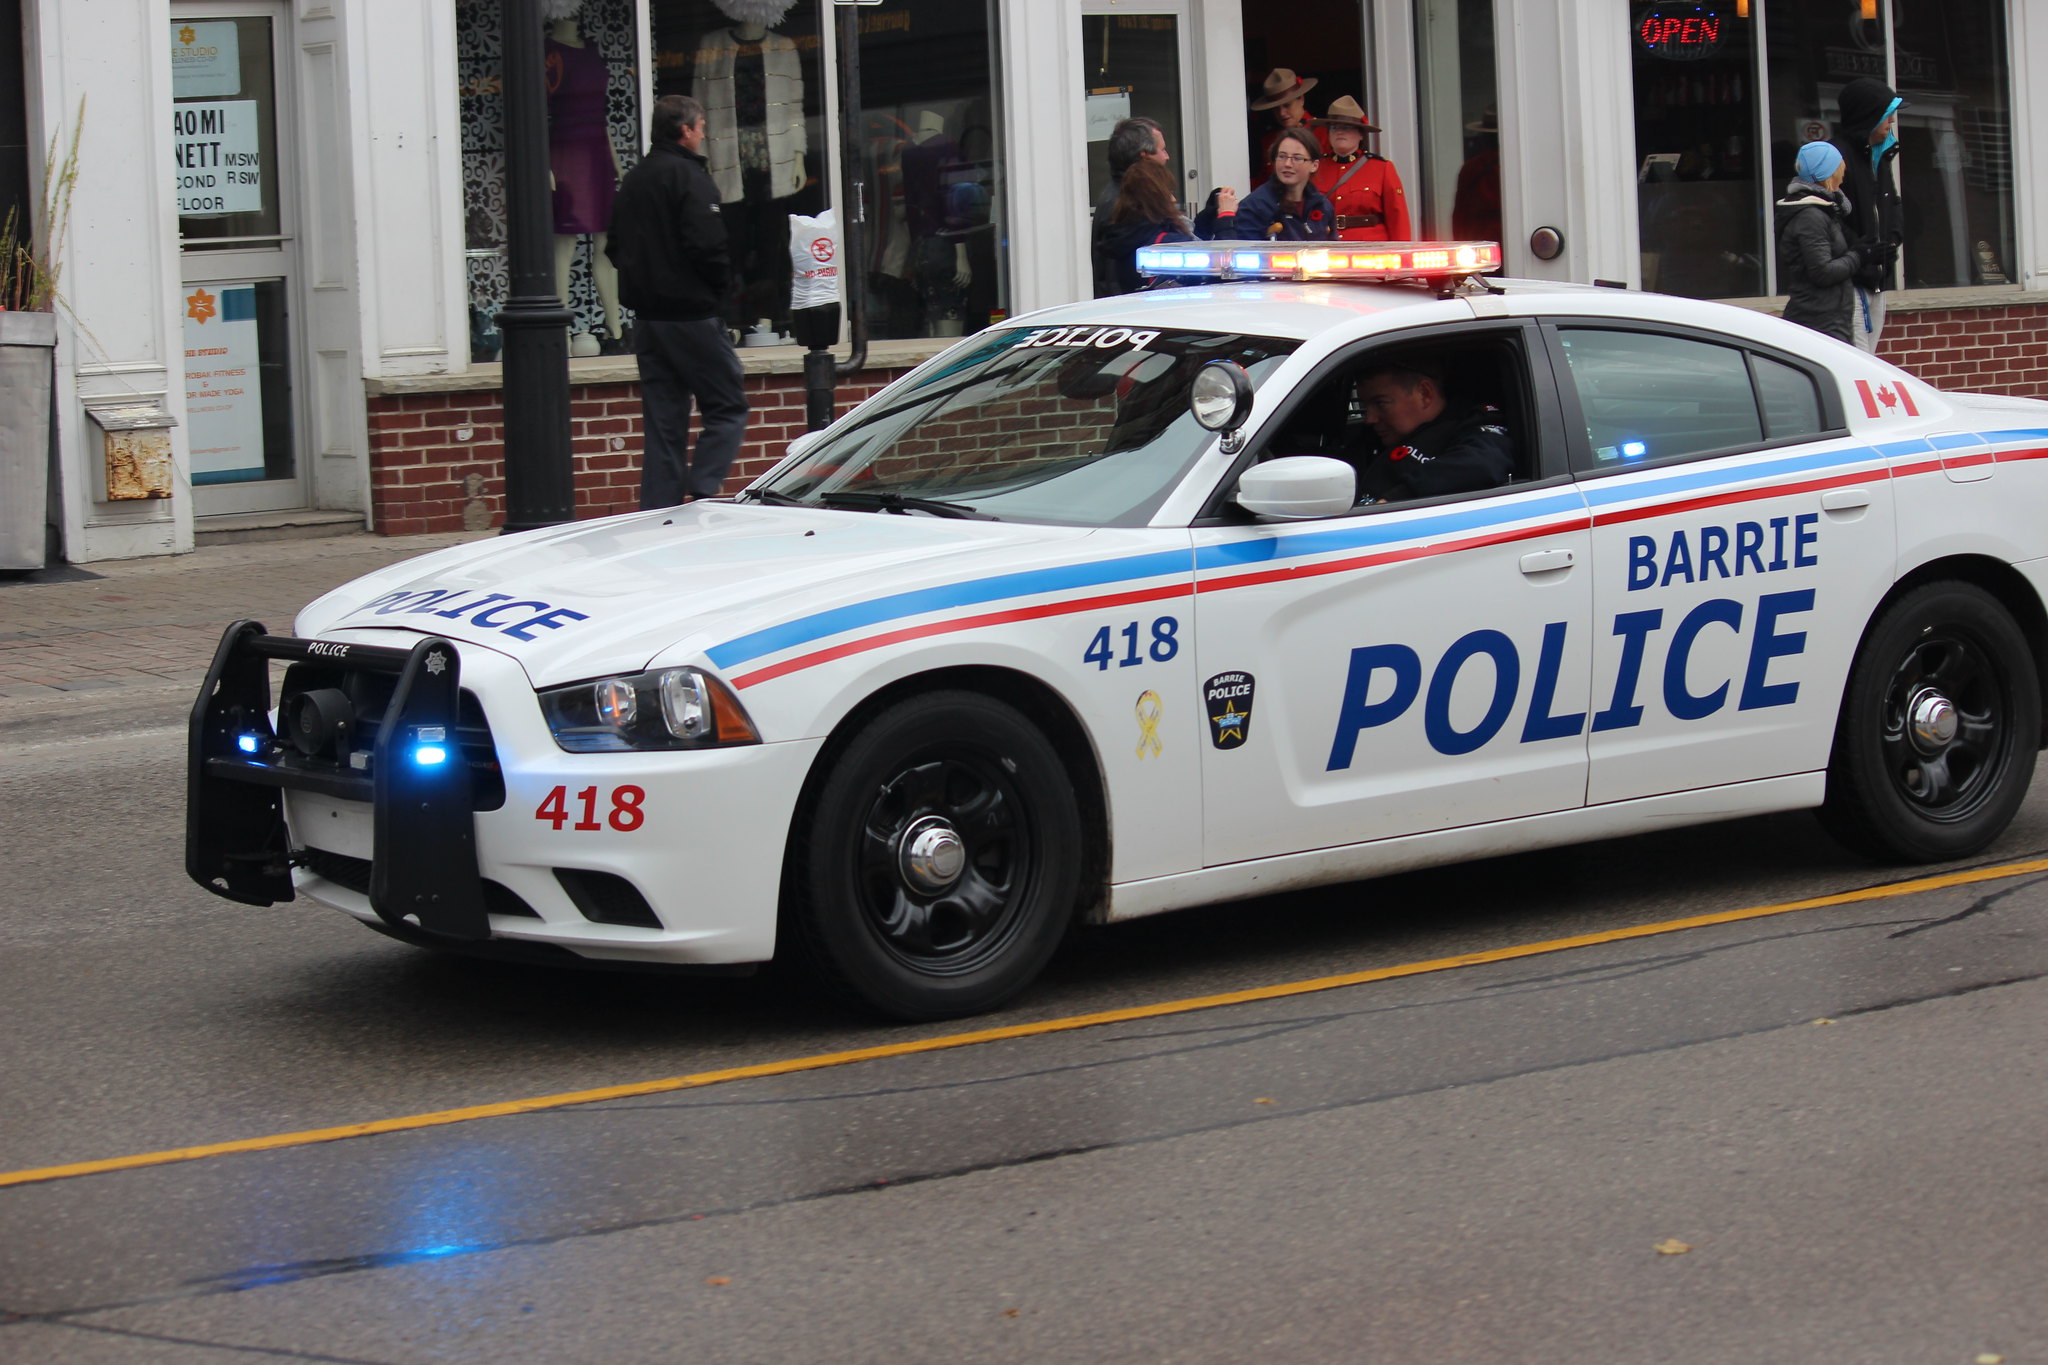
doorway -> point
(1135, 60)
(1321, 41)
(238, 253)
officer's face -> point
(1289, 114)
(1394, 410)
(1344, 139)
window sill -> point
(623, 369)
(1923, 300)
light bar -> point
(1306, 261)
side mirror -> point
(1221, 398)
(1298, 488)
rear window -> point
(1648, 398)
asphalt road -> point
(1830, 1120)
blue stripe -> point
(1601, 492)
(1954, 442)
(2022, 434)
(1893, 450)
(973, 592)
(1378, 531)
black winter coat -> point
(1815, 265)
(668, 238)
(1876, 224)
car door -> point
(1406, 667)
(1741, 539)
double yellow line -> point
(950, 1041)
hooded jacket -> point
(668, 238)
(1875, 225)
(1815, 263)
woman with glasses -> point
(1288, 207)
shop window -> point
(928, 156)
(1457, 194)
(593, 84)
(758, 68)
(1955, 143)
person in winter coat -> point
(1815, 263)
(1146, 213)
(1288, 206)
(1869, 143)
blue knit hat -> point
(1817, 161)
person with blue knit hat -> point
(1816, 265)
(1869, 143)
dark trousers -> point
(678, 361)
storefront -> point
(317, 323)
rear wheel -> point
(941, 861)
(1935, 747)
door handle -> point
(1844, 499)
(1547, 561)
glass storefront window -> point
(1458, 190)
(224, 126)
(1955, 143)
(929, 161)
(593, 83)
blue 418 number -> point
(1165, 644)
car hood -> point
(608, 596)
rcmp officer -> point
(1284, 95)
(1364, 186)
(1426, 446)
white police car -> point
(1081, 618)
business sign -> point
(219, 157)
(223, 397)
(206, 60)
(1681, 33)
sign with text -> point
(219, 157)
(223, 398)
(206, 60)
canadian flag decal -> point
(1886, 400)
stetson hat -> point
(1346, 112)
(1281, 86)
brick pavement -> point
(155, 621)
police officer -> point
(1284, 96)
(1364, 186)
(1427, 447)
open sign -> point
(1681, 33)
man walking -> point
(668, 241)
(1869, 143)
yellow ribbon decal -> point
(1150, 709)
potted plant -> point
(28, 339)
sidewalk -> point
(143, 622)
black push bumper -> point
(424, 874)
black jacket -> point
(1875, 225)
(1460, 452)
(668, 239)
(1815, 264)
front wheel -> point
(939, 865)
(1935, 747)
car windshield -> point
(1073, 426)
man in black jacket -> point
(1869, 143)
(668, 241)
(1427, 447)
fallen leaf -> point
(1988, 1358)
(1262, 1100)
(719, 1279)
(1819, 1022)
(1013, 1312)
(1671, 1246)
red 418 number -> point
(625, 814)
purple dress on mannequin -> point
(579, 145)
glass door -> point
(230, 120)
(1134, 59)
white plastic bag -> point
(814, 259)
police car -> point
(1085, 618)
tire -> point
(939, 864)
(1935, 747)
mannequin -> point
(750, 81)
(583, 165)
(938, 223)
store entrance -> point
(1323, 43)
(238, 254)
(1135, 58)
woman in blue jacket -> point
(1288, 207)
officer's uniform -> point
(1460, 452)
(1370, 206)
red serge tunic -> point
(1371, 206)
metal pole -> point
(540, 480)
(850, 168)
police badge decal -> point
(1228, 699)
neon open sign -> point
(1681, 35)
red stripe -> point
(993, 618)
(1965, 461)
(1906, 471)
(1906, 397)
(1665, 509)
(1869, 402)
(1377, 557)
(2032, 453)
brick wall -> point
(1981, 350)
(437, 459)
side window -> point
(1791, 402)
(1649, 398)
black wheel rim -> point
(1947, 728)
(959, 807)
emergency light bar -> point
(1379, 261)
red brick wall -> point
(437, 460)
(1981, 350)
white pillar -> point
(1045, 135)
(2028, 51)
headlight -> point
(670, 708)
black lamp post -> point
(540, 479)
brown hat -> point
(1344, 111)
(1281, 86)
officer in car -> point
(1425, 445)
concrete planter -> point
(27, 342)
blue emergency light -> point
(432, 749)
(1363, 261)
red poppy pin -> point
(1400, 452)
(1315, 215)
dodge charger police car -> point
(1085, 618)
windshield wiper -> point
(901, 505)
(777, 497)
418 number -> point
(625, 814)
(1164, 644)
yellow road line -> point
(947, 1042)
